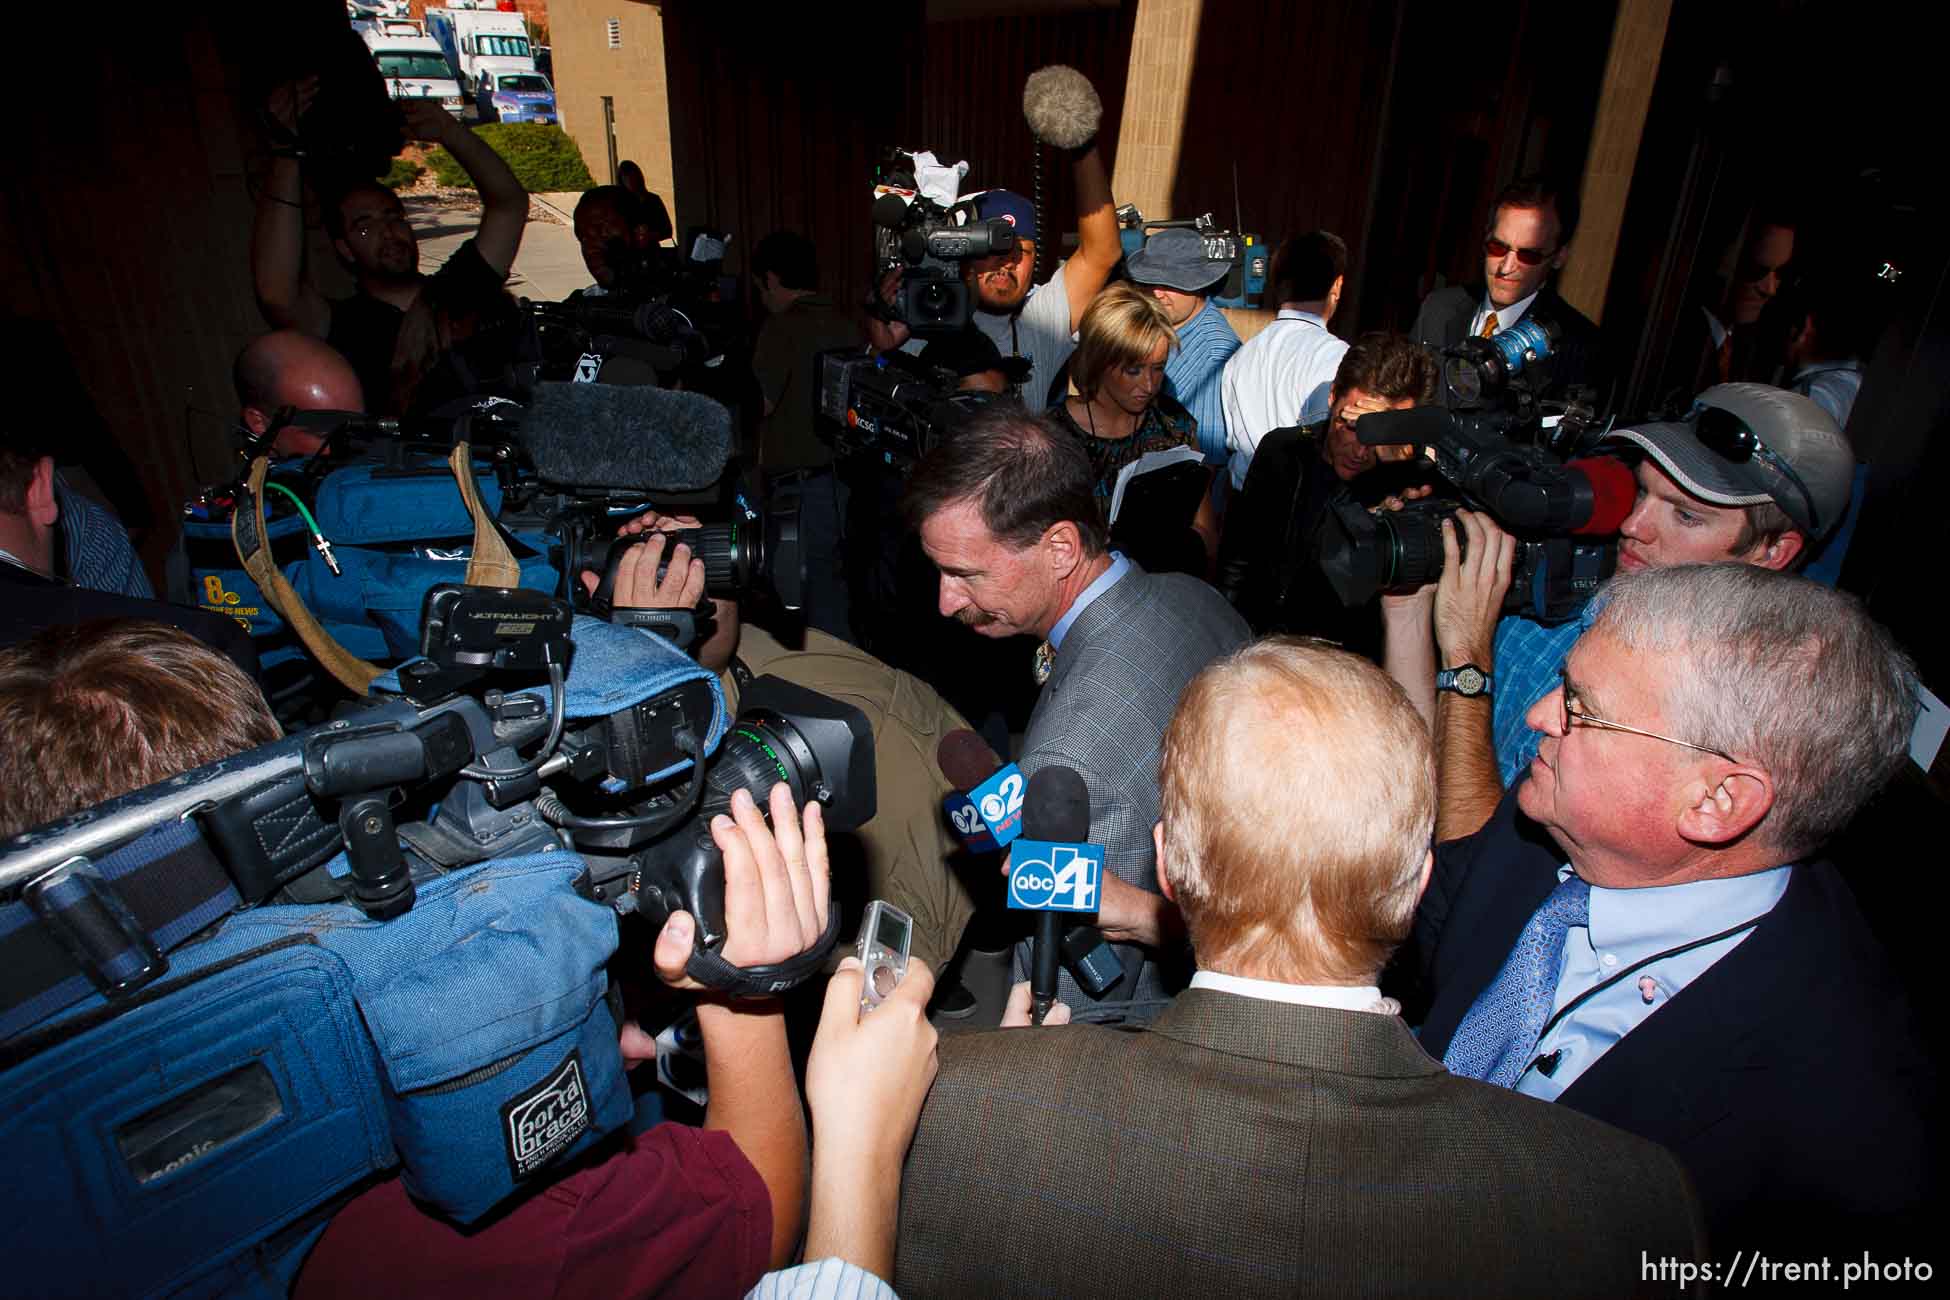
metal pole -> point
(609, 133)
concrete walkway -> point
(549, 266)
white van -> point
(415, 68)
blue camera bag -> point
(395, 532)
(193, 1139)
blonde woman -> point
(1120, 412)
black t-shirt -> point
(466, 292)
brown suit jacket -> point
(1244, 1147)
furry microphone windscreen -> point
(626, 438)
(1062, 106)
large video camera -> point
(587, 458)
(890, 407)
(930, 241)
(663, 319)
(1507, 453)
(438, 766)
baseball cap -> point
(1747, 444)
(1175, 259)
(1011, 207)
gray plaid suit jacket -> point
(1116, 681)
(1239, 1147)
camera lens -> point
(1411, 547)
(762, 749)
(934, 298)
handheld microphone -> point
(989, 815)
(606, 437)
(966, 759)
(1057, 808)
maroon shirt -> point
(679, 1212)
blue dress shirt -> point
(1528, 656)
(1627, 926)
(1193, 373)
(1119, 566)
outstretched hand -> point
(869, 1074)
(777, 888)
(425, 120)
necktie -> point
(1489, 325)
(1495, 1040)
(1045, 660)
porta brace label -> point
(540, 1124)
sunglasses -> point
(1727, 436)
(1528, 256)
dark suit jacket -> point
(1790, 1078)
(1444, 320)
(1114, 686)
(1244, 1147)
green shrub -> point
(543, 158)
(404, 174)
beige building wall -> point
(586, 69)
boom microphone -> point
(626, 438)
(1057, 807)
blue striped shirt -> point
(1528, 656)
(831, 1278)
(1192, 375)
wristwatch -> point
(1468, 681)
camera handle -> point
(382, 885)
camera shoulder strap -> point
(251, 536)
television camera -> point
(421, 780)
(929, 241)
(890, 408)
(1524, 462)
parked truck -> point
(477, 41)
(415, 67)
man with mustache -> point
(1006, 511)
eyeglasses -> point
(1577, 717)
(1730, 438)
(1528, 256)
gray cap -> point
(1789, 425)
(1175, 259)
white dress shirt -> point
(1505, 316)
(1279, 378)
(1335, 997)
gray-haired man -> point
(1674, 956)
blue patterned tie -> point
(1494, 1041)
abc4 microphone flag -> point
(989, 816)
(1051, 876)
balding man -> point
(287, 371)
(1277, 1131)
(1646, 932)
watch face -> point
(1469, 681)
